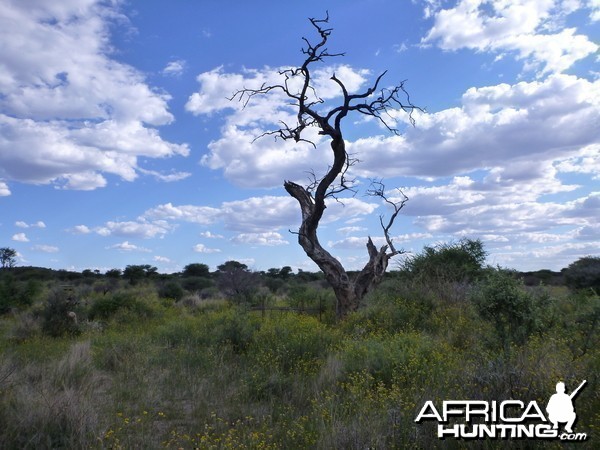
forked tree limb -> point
(349, 290)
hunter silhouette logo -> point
(560, 407)
(506, 419)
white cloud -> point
(4, 190)
(210, 235)
(20, 237)
(204, 215)
(587, 161)
(174, 68)
(22, 224)
(81, 229)
(354, 242)
(45, 248)
(350, 230)
(162, 259)
(167, 178)
(201, 248)
(270, 238)
(496, 127)
(267, 213)
(264, 162)
(530, 29)
(260, 214)
(70, 113)
(126, 246)
(135, 229)
(257, 219)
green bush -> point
(292, 343)
(402, 357)
(17, 294)
(231, 327)
(389, 312)
(515, 313)
(60, 314)
(171, 290)
(196, 284)
(584, 274)
(103, 308)
(453, 262)
(286, 355)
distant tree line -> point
(447, 270)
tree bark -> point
(349, 289)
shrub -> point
(106, 307)
(17, 294)
(196, 284)
(397, 358)
(501, 299)
(390, 312)
(445, 271)
(292, 343)
(455, 262)
(60, 314)
(584, 274)
(172, 290)
(307, 296)
(286, 354)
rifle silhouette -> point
(574, 393)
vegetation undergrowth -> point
(134, 370)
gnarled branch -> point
(349, 290)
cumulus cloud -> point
(531, 30)
(81, 229)
(204, 215)
(270, 238)
(20, 237)
(210, 235)
(260, 214)
(484, 168)
(22, 224)
(71, 113)
(174, 68)
(4, 190)
(168, 177)
(137, 229)
(45, 248)
(350, 230)
(265, 162)
(354, 242)
(201, 248)
(496, 126)
(255, 214)
(126, 246)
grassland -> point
(141, 372)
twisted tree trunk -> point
(349, 289)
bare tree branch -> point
(381, 106)
(378, 190)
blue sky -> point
(118, 144)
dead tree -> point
(375, 102)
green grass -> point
(218, 377)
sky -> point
(119, 143)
